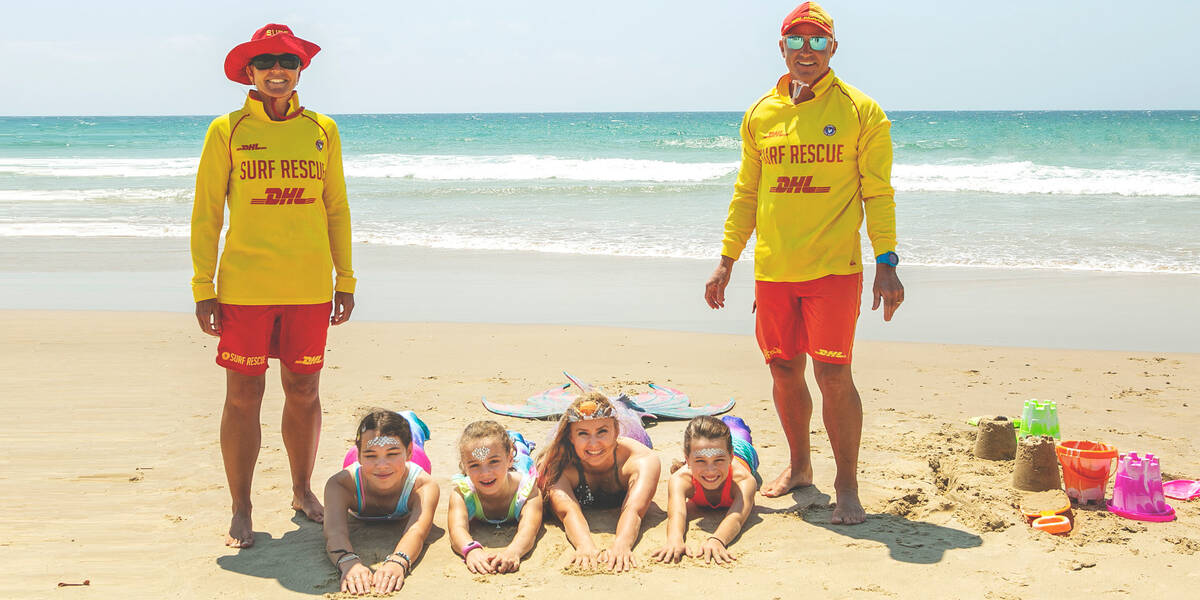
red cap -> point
(809, 12)
(273, 38)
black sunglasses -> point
(262, 62)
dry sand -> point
(112, 470)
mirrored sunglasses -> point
(262, 62)
(816, 42)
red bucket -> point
(1086, 468)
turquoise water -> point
(1106, 191)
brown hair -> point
(709, 428)
(484, 430)
(384, 422)
(559, 453)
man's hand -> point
(208, 314)
(714, 290)
(343, 305)
(888, 289)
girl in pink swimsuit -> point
(720, 472)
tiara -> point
(588, 410)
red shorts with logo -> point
(815, 317)
(294, 333)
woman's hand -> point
(357, 579)
(586, 559)
(713, 550)
(507, 560)
(479, 562)
(618, 559)
(671, 552)
(389, 578)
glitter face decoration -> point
(710, 452)
(383, 440)
(481, 453)
(588, 410)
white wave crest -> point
(100, 167)
(88, 229)
(721, 142)
(527, 167)
(131, 195)
(1029, 178)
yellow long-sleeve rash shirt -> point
(809, 172)
(289, 221)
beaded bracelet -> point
(406, 565)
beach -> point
(1045, 254)
(113, 471)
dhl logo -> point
(251, 147)
(797, 185)
(771, 134)
(831, 353)
(770, 353)
(310, 360)
(280, 196)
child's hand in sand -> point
(586, 559)
(713, 550)
(671, 552)
(357, 579)
(618, 559)
(479, 562)
(507, 560)
(389, 578)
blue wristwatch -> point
(887, 258)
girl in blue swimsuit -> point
(498, 485)
(590, 465)
(383, 485)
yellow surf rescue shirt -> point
(809, 172)
(289, 221)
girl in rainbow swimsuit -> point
(498, 485)
(383, 484)
(720, 472)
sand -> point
(112, 470)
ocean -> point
(1066, 190)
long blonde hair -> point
(559, 454)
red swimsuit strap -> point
(726, 500)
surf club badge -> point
(321, 145)
(830, 130)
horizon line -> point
(626, 112)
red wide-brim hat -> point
(273, 38)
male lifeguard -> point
(816, 158)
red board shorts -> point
(293, 333)
(815, 317)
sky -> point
(163, 58)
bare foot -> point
(308, 503)
(849, 511)
(787, 482)
(241, 532)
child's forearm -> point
(729, 527)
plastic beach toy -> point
(1182, 489)
(1038, 417)
(1051, 518)
(1086, 467)
(1138, 490)
(1052, 524)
